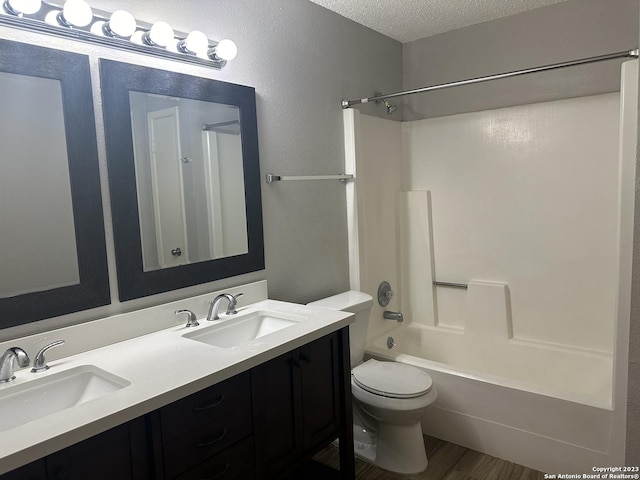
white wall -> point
(528, 196)
(375, 145)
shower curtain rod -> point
(442, 86)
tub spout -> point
(389, 315)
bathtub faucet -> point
(389, 315)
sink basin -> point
(24, 402)
(238, 330)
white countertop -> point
(162, 367)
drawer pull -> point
(208, 443)
(218, 475)
(209, 406)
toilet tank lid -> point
(350, 301)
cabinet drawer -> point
(184, 415)
(201, 444)
(234, 463)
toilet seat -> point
(392, 379)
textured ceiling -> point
(409, 20)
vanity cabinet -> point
(207, 434)
(33, 471)
(256, 425)
(296, 405)
(117, 453)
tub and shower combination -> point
(509, 254)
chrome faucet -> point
(8, 363)
(215, 305)
(389, 315)
(192, 320)
(40, 363)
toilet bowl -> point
(390, 398)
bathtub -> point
(558, 421)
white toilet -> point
(390, 398)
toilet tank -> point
(354, 302)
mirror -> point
(189, 178)
(53, 255)
(182, 155)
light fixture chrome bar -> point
(515, 73)
(451, 284)
(282, 178)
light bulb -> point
(138, 37)
(77, 13)
(160, 34)
(52, 17)
(122, 23)
(18, 7)
(97, 28)
(226, 49)
(196, 42)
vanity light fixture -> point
(75, 19)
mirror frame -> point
(117, 79)
(72, 71)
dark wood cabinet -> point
(320, 387)
(258, 424)
(33, 471)
(277, 414)
(117, 453)
(296, 404)
(199, 434)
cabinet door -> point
(33, 471)
(277, 428)
(118, 453)
(320, 376)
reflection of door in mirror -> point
(38, 241)
(227, 228)
(167, 187)
(189, 180)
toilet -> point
(390, 398)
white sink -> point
(243, 329)
(25, 402)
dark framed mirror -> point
(52, 247)
(184, 177)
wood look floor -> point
(446, 462)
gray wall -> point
(302, 59)
(557, 33)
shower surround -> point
(530, 207)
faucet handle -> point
(231, 309)
(192, 320)
(39, 362)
